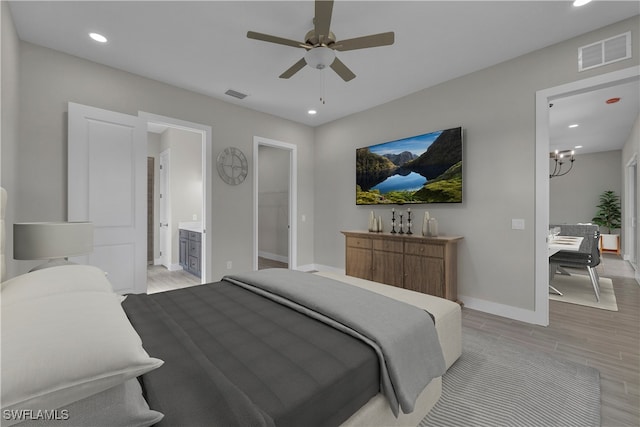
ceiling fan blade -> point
(374, 40)
(322, 20)
(342, 70)
(293, 69)
(277, 40)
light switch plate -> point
(517, 224)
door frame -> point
(293, 196)
(207, 182)
(164, 240)
(631, 213)
(540, 314)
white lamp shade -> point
(320, 57)
(51, 240)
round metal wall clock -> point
(232, 166)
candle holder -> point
(393, 222)
(401, 230)
(409, 222)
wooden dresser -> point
(424, 264)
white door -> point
(165, 246)
(107, 186)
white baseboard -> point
(274, 257)
(320, 267)
(502, 310)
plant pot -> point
(610, 243)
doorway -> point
(182, 193)
(543, 98)
(275, 202)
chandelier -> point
(560, 158)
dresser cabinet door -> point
(424, 274)
(387, 262)
(359, 262)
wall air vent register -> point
(604, 52)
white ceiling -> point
(202, 45)
(601, 126)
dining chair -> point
(589, 260)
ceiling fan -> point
(321, 44)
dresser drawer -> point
(424, 249)
(194, 236)
(387, 245)
(184, 234)
(358, 242)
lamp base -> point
(52, 263)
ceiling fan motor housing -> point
(312, 40)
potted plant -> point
(609, 217)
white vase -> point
(433, 227)
(425, 224)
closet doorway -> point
(275, 202)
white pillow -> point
(61, 348)
(54, 280)
(119, 406)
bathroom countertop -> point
(191, 226)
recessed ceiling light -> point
(578, 3)
(578, 146)
(312, 112)
(573, 126)
(98, 37)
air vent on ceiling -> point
(236, 94)
(604, 52)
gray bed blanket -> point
(403, 336)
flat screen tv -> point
(424, 168)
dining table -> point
(564, 243)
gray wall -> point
(573, 197)
(496, 107)
(9, 123)
(50, 79)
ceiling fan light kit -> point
(320, 57)
(321, 44)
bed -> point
(75, 353)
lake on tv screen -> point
(411, 182)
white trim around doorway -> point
(540, 314)
(207, 180)
(293, 197)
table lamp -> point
(53, 241)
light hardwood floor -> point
(159, 279)
(606, 340)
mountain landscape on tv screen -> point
(422, 169)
